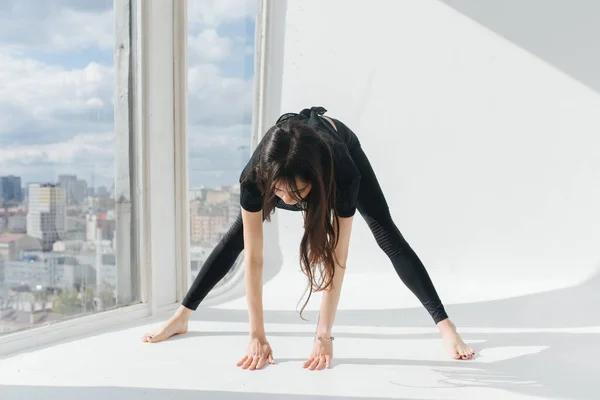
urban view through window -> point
(220, 84)
(57, 148)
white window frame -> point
(151, 192)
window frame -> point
(150, 119)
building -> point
(100, 204)
(212, 212)
(103, 192)
(218, 195)
(39, 273)
(17, 222)
(76, 189)
(12, 245)
(50, 269)
(198, 193)
(46, 216)
(206, 222)
(102, 224)
(13, 220)
(234, 204)
(75, 227)
(65, 182)
(10, 189)
(77, 192)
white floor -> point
(538, 346)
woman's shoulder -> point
(331, 122)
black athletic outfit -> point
(358, 189)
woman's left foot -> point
(455, 346)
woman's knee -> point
(387, 235)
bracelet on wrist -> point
(324, 339)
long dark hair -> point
(290, 150)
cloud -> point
(217, 154)
(56, 120)
(77, 149)
(220, 104)
(211, 136)
(214, 12)
(208, 46)
(56, 25)
(217, 100)
(42, 8)
(39, 98)
(81, 154)
(57, 112)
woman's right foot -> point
(177, 325)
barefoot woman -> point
(313, 164)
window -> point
(220, 93)
(57, 162)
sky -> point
(57, 89)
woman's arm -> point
(253, 268)
(331, 297)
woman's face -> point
(285, 193)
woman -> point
(314, 164)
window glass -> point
(57, 161)
(220, 79)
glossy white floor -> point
(545, 344)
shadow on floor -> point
(572, 307)
(127, 393)
(555, 365)
(546, 365)
(549, 365)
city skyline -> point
(90, 189)
(57, 84)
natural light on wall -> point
(220, 76)
(57, 162)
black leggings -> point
(374, 209)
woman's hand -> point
(257, 354)
(321, 355)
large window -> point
(220, 84)
(57, 162)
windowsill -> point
(73, 328)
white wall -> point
(489, 156)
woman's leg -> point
(219, 262)
(217, 265)
(373, 206)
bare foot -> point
(176, 325)
(455, 346)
